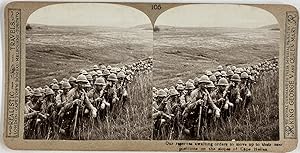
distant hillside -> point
(271, 27)
(61, 51)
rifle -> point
(76, 112)
(199, 120)
(75, 120)
(200, 114)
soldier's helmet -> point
(237, 71)
(108, 67)
(248, 72)
(100, 81)
(210, 85)
(213, 78)
(27, 92)
(173, 92)
(208, 73)
(113, 70)
(106, 72)
(196, 80)
(88, 85)
(118, 69)
(161, 93)
(49, 91)
(180, 87)
(121, 75)
(112, 77)
(204, 79)
(189, 86)
(217, 74)
(251, 78)
(230, 73)
(54, 81)
(236, 78)
(89, 77)
(223, 73)
(66, 85)
(82, 78)
(84, 72)
(95, 67)
(99, 73)
(228, 68)
(166, 90)
(220, 68)
(72, 79)
(233, 68)
(191, 80)
(223, 82)
(61, 82)
(102, 67)
(93, 73)
(180, 82)
(244, 75)
(55, 87)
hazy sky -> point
(204, 15)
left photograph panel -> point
(88, 73)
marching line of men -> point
(183, 111)
(61, 110)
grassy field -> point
(58, 52)
(179, 53)
(185, 53)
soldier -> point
(72, 82)
(97, 95)
(94, 75)
(55, 88)
(196, 82)
(90, 79)
(234, 92)
(61, 98)
(195, 113)
(174, 110)
(48, 109)
(77, 100)
(95, 68)
(220, 68)
(159, 115)
(186, 98)
(245, 90)
(180, 89)
(36, 100)
(29, 116)
(105, 74)
(230, 73)
(111, 90)
(122, 88)
(213, 79)
(220, 97)
(218, 75)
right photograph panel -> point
(216, 74)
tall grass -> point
(260, 122)
(133, 121)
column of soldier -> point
(62, 109)
(183, 111)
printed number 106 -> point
(156, 7)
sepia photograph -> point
(215, 74)
(88, 73)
